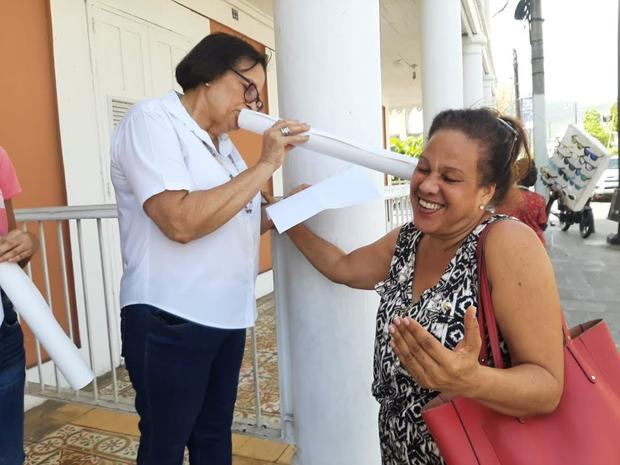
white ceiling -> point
(400, 50)
(400, 53)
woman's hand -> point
(276, 144)
(18, 246)
(431, 364)
(265, 222)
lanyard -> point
(220, 159)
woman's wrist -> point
(267, 166)
(480, 382)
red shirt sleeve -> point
(542, 209)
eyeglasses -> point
(251, 94)
(586, 164)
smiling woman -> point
(190, 217)
(427, 339)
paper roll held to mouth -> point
(321, 142)
(33, 308)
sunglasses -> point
(251, 94)
(563, 151)
(588, 153)
(572, 167)
(513, 132)
(580, 146)
(568, 178)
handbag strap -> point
(486, 310)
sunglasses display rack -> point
(577, 163)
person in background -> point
(427, 337)
(16, 246)
(190, 220)
(523, 204)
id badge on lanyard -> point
(220, 159)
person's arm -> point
(360, 269)
(185, 216)
(17, 246)
(528, 314)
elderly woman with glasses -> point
(190, 219)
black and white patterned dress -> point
(404, 437)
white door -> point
(132, 60)
(167, 49)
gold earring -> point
(481, 206)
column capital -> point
(474, 43)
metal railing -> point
(85, 251)
(88, 260)
(397, 206)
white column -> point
(442, 61)
(473, 72)
(489, 90)
(329, 76)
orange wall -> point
(29, 128)
(28, 109)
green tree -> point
(412, 146)
(613, 113)
(613, 124)
(592, 124)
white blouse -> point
(158, 146)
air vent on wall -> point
(118, 109)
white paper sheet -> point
(377, 159)
(346, 189)
(31, 305)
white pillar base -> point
(327, 79)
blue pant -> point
(12, 378)
(185, 376)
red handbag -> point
(583, 430)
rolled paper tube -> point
(376, 159)
(31, 305)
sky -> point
(580, 47)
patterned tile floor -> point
(72, 434)
(76, 434)
(73, 444)
(245, 410)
